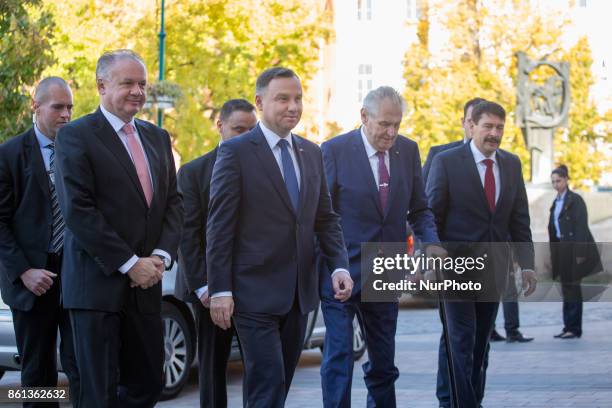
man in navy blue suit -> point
(268, 202)
(477, 194)
(374, 177)
(465, 124)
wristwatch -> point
(167, 262)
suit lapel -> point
(504, 177)
(301, 158)
(268, 162)
(395, 174)
(37, 163)
(110, 139)
(363, 166)
(474, 175)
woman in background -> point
(574, 254)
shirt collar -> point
(370, 150)
(479, 157)
(43, 140)
(272, 138)
(115, 122)
(561, 197)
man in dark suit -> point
(117, 189)
(477, 194)
(268, 202)
(465, 124)
(214, 344)
(31, 242)
(374, 178)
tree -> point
(214, 51)
(25, 50)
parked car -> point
(179, 338)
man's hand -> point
(221, 311)
(529, 281)
(205, 300)
(343, 286)
(38, 281)
(435, 251)
(146, 272)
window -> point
(413, 9)
(364, 10)
(583, 3)
(364, 81)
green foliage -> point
(25, 50)
(479, 60)
(214, 51)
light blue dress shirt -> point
(557, 211)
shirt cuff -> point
(340, 270)
(527, 270)
(165, 255)
(201, 291)
(221, 294)
(128, 265)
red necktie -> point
(383, 180)
(139, 162)
(489, 184)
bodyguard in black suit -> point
(214, 344)
(117, 189)
(268, 202)
(31, 242)
(477, 194)
(465, 124)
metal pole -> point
(162, 39)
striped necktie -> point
(57, 230)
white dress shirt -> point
(479, 157)
(373, 158)
(117, 124)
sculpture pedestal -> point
(541, 154)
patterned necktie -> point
(289, 174)
(57, 229)
(140, 162)
(489, 184)
(383, 180)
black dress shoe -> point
(558, 336)
(517, 338)
(495, 336)
(569, 335)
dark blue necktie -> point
(289, 174)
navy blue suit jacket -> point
(433, 151)
(457, 199)
(258, 247)
(355, 197)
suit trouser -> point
(271, 348)
(120, 356)
(380, 373)
(36, 337)
(469, 326)
(572, 307)
(214, 347)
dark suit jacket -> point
(194, 185)
(355, 198)
(433, 151)
(25, 216)
(574, 227)
(106, 214)
(258, 247)
(457, 198)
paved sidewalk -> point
(546, 373)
